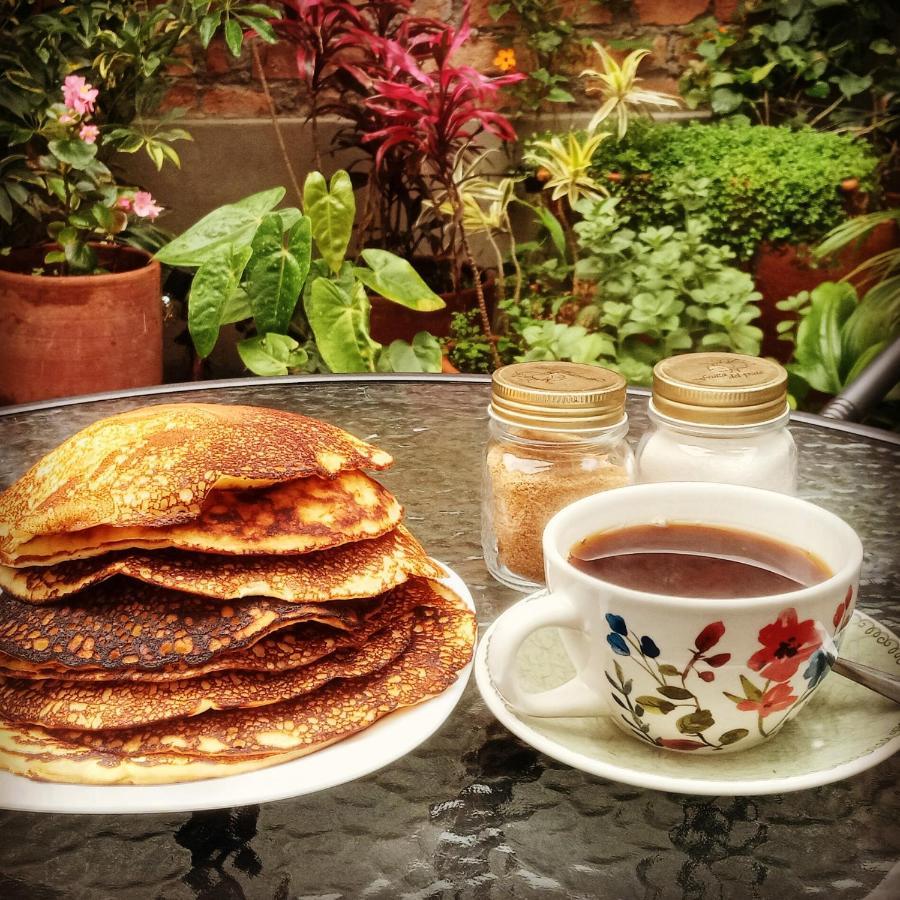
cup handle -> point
(574, 698)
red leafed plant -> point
(342, 51)
(416, 115)
(435, 113)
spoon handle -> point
(874, 679)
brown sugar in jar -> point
(558, 433)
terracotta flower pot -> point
(785, 269)
(391, 322)
(67, 335)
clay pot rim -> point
(11, 276)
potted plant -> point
(79, 301)
(310, 310)
(415, 115)
(773, 192)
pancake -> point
(126, 624)
(95, 706)
(156, 465)
(295, 517)
(222, 743)
(288, 648)
(359, 569)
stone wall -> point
(212, 84)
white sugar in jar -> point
(719, 417)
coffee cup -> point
(694, 674)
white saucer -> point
(385, 741)
(844, 730)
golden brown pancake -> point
(127, 624)
(94, 706)
(224, 743)
(288, 648)
(156, 465)
(294, 517)
(360, 569)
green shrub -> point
(765, 183)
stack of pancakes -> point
(196, 590)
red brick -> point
(726, 10)
(670, 12)
(181, 69)
(588, 14)
(659, 83)
(219, 60)
(181, 95)
(478, 52)
(433, 9)
(479, 16)
(234, 101)
(279, 62)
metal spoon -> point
(874, 679)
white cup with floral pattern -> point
(684, 673)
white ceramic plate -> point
(844, 730)
(387, 740)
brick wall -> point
(212, 84)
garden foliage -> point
(311, 310)
(764, 183)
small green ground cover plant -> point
(310, 309)
(632, 296)
(764, 183)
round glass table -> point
(474, 812)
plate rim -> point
(667, 783)
(147, 799)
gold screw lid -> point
(558, 396)
(720, 389)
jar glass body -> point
(762, 455)
(531, 474)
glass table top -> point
(473, 812)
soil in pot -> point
(66, 335)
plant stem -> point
(567, 228)
(453, 193)
(295, 184)
(517, 293)
(501, 279)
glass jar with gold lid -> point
(557, 433)
(719, 417)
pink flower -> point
(78, 94)
(145, 206)
(124, 203)
(88, 133)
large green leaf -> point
(554, 229)
(394, 278)
(271, 354)
(213, 285)
(276, 278)
(300, 244)
(422, 355)
(332, 210)
(74, 153)
(233, 225)
(340, 322)
(818, 355)
(875, 319)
